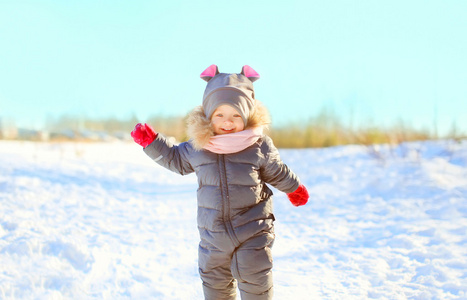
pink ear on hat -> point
(250, 73)
(209, 73)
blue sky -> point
(369, 61)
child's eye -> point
(237, 116)
(219, 115)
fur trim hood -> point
(199, 129)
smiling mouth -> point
(227, 130)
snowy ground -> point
(102, 221)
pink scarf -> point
(233, 142)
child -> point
(233, 161)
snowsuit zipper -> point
(226, 201)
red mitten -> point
(300, 196)
(143, 134)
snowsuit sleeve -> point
(274, 171)
(170, 156)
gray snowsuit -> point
(235, 212)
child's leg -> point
(214, 269)
(252, 267)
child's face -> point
(226, 119)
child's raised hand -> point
(143, 134)
(300, 196)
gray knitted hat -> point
(234, 89)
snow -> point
(102, 221)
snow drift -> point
(102, 221)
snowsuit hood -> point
(199, 128)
